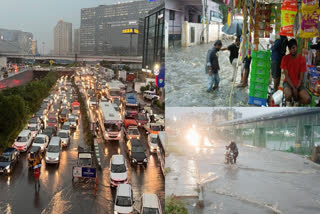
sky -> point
(40, 16)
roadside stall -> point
(266, 20)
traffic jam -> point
(128, 131)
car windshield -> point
(123, 201)
(84, 161)
(5, 158)
(133, 132)
(22, 139)
(65, 127)
(118, 168)
(52, 120)
(137, 149)
(33, 128)
(63, 135)
(72, 119)
(33, 120)
(156, 128)
(116, 101)
(142, 117)
(111, 127)
(114, 93)
(93, 99)
(154, 140)
(47, 132)
(76, 107)
(147, 210)
(39, 140)
(53, 149)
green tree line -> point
(18, 104)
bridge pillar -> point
(238, 135)
(308, 137)
(259, 137)
(299, 136)
(3, 62)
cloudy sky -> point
(40, 16)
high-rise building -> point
(76, 44)
(63, 38)
(101, 28)
(15, 41)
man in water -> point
(212, 66)
(234, 149)
(234, 54)
(294, 66)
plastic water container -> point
(277, 96)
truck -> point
(110, 121)
(113, 92)
(122, 75)
(132, 107)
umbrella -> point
(234, 29)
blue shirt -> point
(276, 50)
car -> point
(35, 129)
(42, 141)
(150, 95)
(132, 132)
(53, 151)
(73, 120)
(52, 121)
(35, 120)
(23, 141)
(92, 102)
(63, 117)
(124, 199)
(118, 170)
(8, 160)
(66, 126)
(65, 138)
(50, 132)
(150, 203)
(136, 152)
(153, 142)
(141, 119)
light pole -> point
(43, 43)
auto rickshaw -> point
(34, 156)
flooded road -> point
(186, 81)
(262, 181)
(58, 194)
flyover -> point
(297, 129)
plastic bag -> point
(287, 19)
(309, 23)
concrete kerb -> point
(97, 153)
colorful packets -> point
(309, 19)
(288, 13)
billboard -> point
(130, 31)
(214, 12)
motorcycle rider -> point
(234, 149)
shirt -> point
(212, 60)
(277, 50)
(294, 67)
(234, 52)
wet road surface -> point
(262, 181)
(58, 194)
(186, 81)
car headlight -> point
(119, 135)
(145, 160)
(134, 160)
(56, 159)
(106, 135)
(7, 167)
(139, 124)
(47, 158)
(130, 137)
(115, 212)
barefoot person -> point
(234, 54)
(212, 66)
(294, 67)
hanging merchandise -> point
(267, 29)
(309, 19)
(273, 14)
(229, 19)
(278, 21)
(288, 13)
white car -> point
(150, 95)
(153, 142)
(150, 204)
(42, 141)
(65, 138)
(66, 126)
(124, 199)
(118, 170)
(53, 151)
(73, 120)
(35, 129)
(23, 141)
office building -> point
(101, 28)
(76, 44)
(63, 38)
(15, 41)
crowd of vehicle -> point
(120, 117)
(48, 131)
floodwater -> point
(262, 181)
(186, 81)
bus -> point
(161, 151)
(110, 121)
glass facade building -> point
(154, 38)
(101, 28)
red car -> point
(141, 119)
(52, 121)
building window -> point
(172, 14)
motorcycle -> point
(229, 156)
